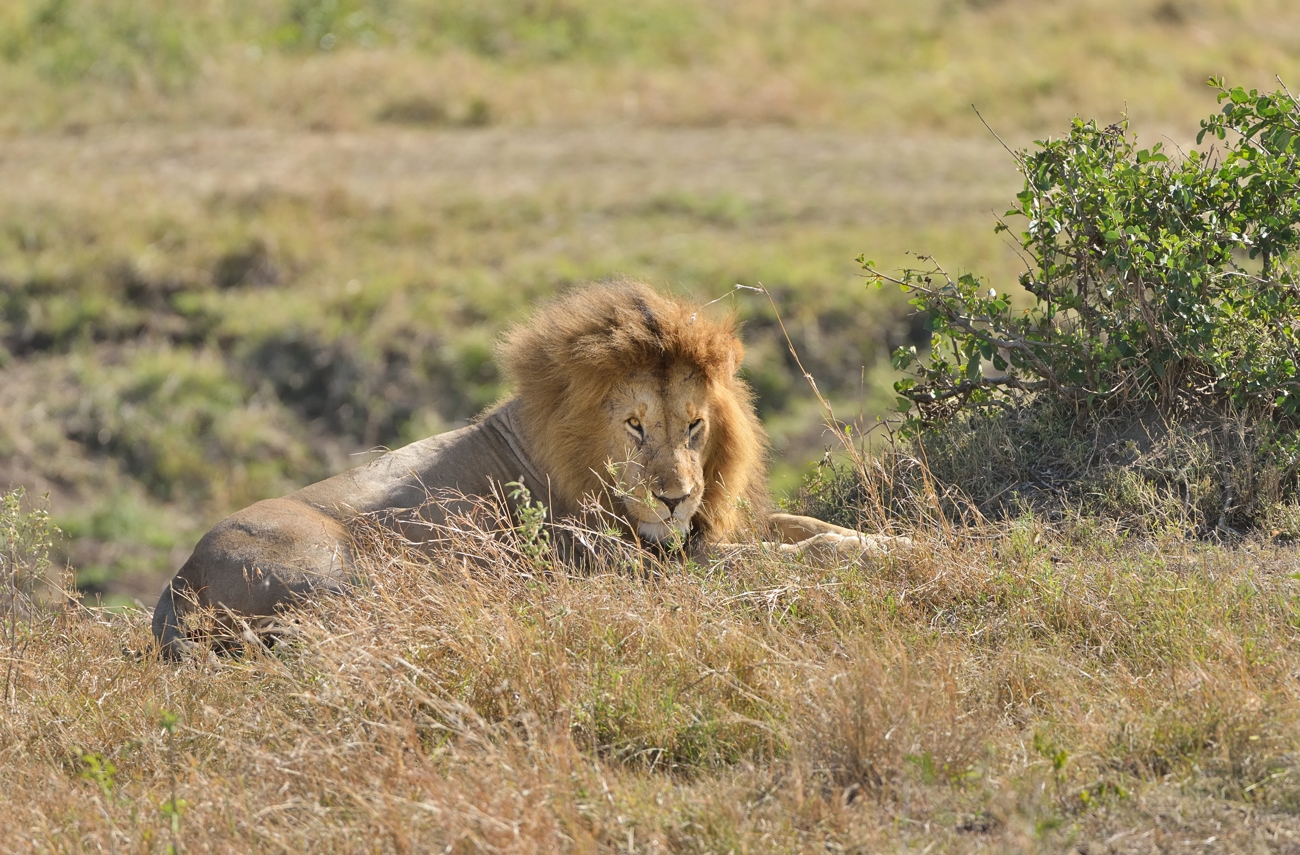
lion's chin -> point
(658, 532)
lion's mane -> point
(565, 361)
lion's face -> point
(634, 397)
(658, 431)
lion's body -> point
(268, 553)
(625, 400)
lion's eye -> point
(694, 427)
(634, 426)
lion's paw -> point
(847, 548)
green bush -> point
(1156, 280)
(26, 535)
(1153, 379)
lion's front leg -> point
(828, 543)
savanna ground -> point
(243, 243)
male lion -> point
(625, 401)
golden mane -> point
(565, 361)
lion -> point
(627, 404)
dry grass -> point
(1000, 692)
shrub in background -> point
(1161, 340)
(26, 535)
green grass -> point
(864, 63)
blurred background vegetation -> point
(243, 242)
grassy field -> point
(244, 243)
(283, 301)
(77, 65)
(1021, 689)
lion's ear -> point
(735, 357)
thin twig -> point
(1014, 154)
(834, 423)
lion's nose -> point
(671, 504)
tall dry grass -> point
(995, 691)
